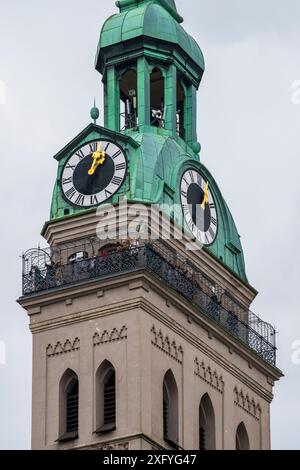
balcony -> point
(44, 270)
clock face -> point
(199, 207)
(93, 174)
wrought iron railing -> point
(40, 274)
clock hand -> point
(98, 159)
(206, 197)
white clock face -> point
(93, 174)
(199, 207)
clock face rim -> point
(212, 199)
(77, 149)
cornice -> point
(145, 282)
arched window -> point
(128, 100)
(68, 406)
(105, 398)
(170, 409)
(241, 438)
(157, 98)
(180, 110)
(207, 440)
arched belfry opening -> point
(207, 439)
(68, 406)
(242, 438)
(105, 398)
(128, 100)
(157, 98)
(180, 109)
(170, 409)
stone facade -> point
(143, 329)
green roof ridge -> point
(169, 5)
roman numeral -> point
(214, 221)
(116, 155)
(94, 200)
(93, 147)
(80, 200)
(116, 180)
(207, 241)
(186, 208)
(70, 167)
(67, 180)
(107, 194)
(107, 145)
(191, 174)
(120, 166)
(185, 181)
(199, 181)
(183, 194)
(211, 205)
(70, 193)
(212, 233)
(80, 154)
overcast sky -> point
(250, 135)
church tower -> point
(139, 307)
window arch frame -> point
(170, 409)
(67, 381)
(207, 424)
(161, 120)
(242, 441)
(103, 372)
(131, 117)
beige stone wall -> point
(143, 330)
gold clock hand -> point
(206, 197)
(98, 159)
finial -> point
(95, 112)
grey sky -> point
(248, 127)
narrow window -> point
(72, 407)
(242, 439)
(157, 98)
(106, 398)
(128, 100)
(180, 110)
(68, 406)
(170, 409)
(110, 399)
(206, 424)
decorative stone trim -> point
(243, 401)
(65, 348)
(109, 337)
(164, 344)
(110, 446)
(206, 374)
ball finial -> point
(95, 113)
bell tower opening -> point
(180, 109)
(128, 100)
(157, 98)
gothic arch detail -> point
(110, 336)
(209, 376)
(63, 348)
(249, 405)
(169, 347)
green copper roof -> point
(169, 5)
(153, 19)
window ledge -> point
(68, 436)
(106, 428)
